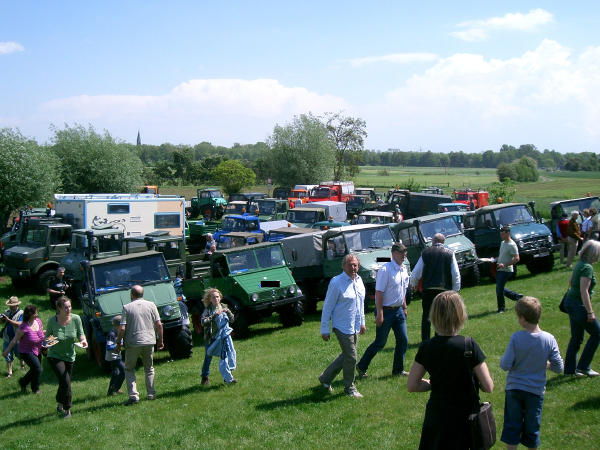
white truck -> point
(135, 214)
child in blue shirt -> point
(116, 364)
(530, 353)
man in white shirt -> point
(344, 307)
(390, 312)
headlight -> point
(520, 243)
(473, 253)
(254, 297)
(168, 310)
(292, 289)
(373, 274)
(550, 239)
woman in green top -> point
(581, 313)
(67, 328)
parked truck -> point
(414, 204)
(533, 239)
(558, 208)
(255, 282)
(13, 235)
(272, 209)
(135, 214)
(317, 257)
(300, 194)
(209, 202)
(307, 214)
(337, 191)
(473, 199)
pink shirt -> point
(31, 342)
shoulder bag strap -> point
(469, 350)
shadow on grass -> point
(562, 379)
(482, 314)
(317, 395)
(590, 403)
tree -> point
(91, 163)
(28, 173)
(301, 152)
(505, 172)
(502, 192)
(233, 176)
(348, 134)
(526, 168)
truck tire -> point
(240, 323)
(179, 342)
(473, 277)
(292, 315)
(98, 351)
(310, 297)
(207, 213)
(43, 280)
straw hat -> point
(13, 301)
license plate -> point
(542, 254)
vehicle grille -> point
(534, 242)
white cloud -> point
(547, 96)
(394, 58)
(478, 30)
(10, 47)
(219, 110)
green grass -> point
(278, 403)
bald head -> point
(438, 238)
(137, 292)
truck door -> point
(487, 236)
(410, 238)
(60, 241)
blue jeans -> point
(501, 278)
(522, 418)
(207, 361)
(579, 324)
(117, 370)
(393, 319)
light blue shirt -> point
(392, 282)
(344, 305)
(525, 359)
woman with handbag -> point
(29, 335)
(452, 397)
(578, 304)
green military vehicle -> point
(12, 236)
(369, 192)
(107, 288)
(416, 234)
(254, 280)
(316, 257)
(270, 209)
(414, 204)
(239, 239)
(533, 239)
(209, 203)
(33, 261)
(197, 237)
(359, 203)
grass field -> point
(551, 186)
(278, 402)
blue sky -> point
(441, 76)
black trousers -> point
(35, 371)
(63, 371)
(427, 297)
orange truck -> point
(473, 199)
(337, 191)
(300, 194)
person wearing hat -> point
(508, 256)
(11, 319)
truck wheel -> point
(207, 213)
(310, 297)
(240, 323)
(292, 315)
(473, 277)
(44, 280)
(98, 352)
(179, 342)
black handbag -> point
(561, 305)
(482, 422)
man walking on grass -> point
(390, 312)
(140, 322)
(344, 306)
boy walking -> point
(530, 352)
(117, 369)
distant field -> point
(551, 186)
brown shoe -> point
(205, 381)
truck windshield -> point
(299, 216)
(232, 224)
(513, 215)
(129, 272)
(298, 194)
(237, 208)
(266, 207)
(446, 226)
(321, 192)
(579, 205)
(463, 196)
(356, 201)
(370, 238)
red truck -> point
(473, 199)
(337, 191)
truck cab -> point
(338, 191)
(238, 223)
(473, 199)
(359, 203)
(272, 209)
(209, 202)
(241, 207)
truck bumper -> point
(17, 273)
(275, 303)
(175, 323)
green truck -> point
(12, 236)
(209, 203)
(107, 288)
(270, 209)
(254, 280)
(414, 204)
(316, 257)
(533, 239)
(36, 255)
(416, 234)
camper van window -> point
(167, 220)
(117, 208)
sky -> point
(432, 75)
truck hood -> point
(161, 295)
(22, 250)
(369, 265)
(459, 243)
(525, 230)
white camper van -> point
(135, 214)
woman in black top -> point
(452, 398)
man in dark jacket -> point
(438, 271)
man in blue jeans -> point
(507, 258)
(390, 312)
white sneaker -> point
(589, 373)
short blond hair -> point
(208, 293)
(529, 308)
(448, 313)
